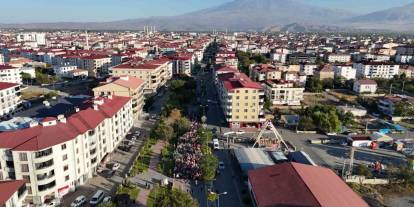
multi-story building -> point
(2, 59)
(344, 71)
(96, 65)
(64, 69)
(386, 105)
(264, 72)
(10, 99)
(241, 99)
(326, 72)
(339, 58)
(376, 70)
(365, 86)
(57, 154)
(283, 93)
(155, 73)
(308, 69)
(38, 38)
(128, 86)
(12, 193)
(10, 74)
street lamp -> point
(218, 197)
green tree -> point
(177, 84)
(403, 109)
(364, 171)
(107, 204)
(347, 118)
(205, 136)
(208, 165)
(314, 85)
(162, 131)
(165, 197)
(181, 126)
(306, 123)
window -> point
(23, 156)
(237, 97)
(66, 177)
(65, 157)
(25, 167)
(245, 110)
(246, 91)
(26, 178)
(65, 168)
(246, 97)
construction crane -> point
(276, 143)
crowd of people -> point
(187, 155)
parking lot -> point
(106, 180)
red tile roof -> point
(8, 188)
(125, 81)
(42, 137)
(4, 85)
(294, 184)
(367, 82)
(237, 80)
(6, 67)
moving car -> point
(221, 165)
(79, 201)
(216, 144)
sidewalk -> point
(150, 175)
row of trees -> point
(182, 94)
(315, 85)
(325, 118)
(167, 197)
(248, 58)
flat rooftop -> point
(60, 105)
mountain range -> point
(255, 15)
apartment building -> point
(283, 92)
(264, 72)
(64, 69)
(155, 73)
(365, 86)
(376, 70)
(326, 72)
(339, 58)
(127, 86)
(10, 99)
(386, 105)
(96, 65)
(57, 154)
(2, 61)
(12, 193)
(346, 72)
(241, 100)
(10, 74)
(308, 69)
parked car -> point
(79, 201)
(107, 199)
(97, 198)
(216, 144)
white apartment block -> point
(96, 65)
(2, 59)
(283, 93)
(308, 69)
(365, 86)
(39, 38)
(9, 99)
(339, 58)
(10, 74)
(59, 154)
(64, 70)
(376, 70)
(404, 59)
(344, 71)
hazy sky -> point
(17, 11)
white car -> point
(107, 199)
(115, 166)
(79, 201)
(221, 165)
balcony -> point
(48, 186)
(44, 176)
(44, 165)
(43, 153)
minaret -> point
(87, 40)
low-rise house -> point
(346, 72)
(326, 72)
(365, 86)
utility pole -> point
(390, 89)
(403, 85)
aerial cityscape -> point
(221, 103)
